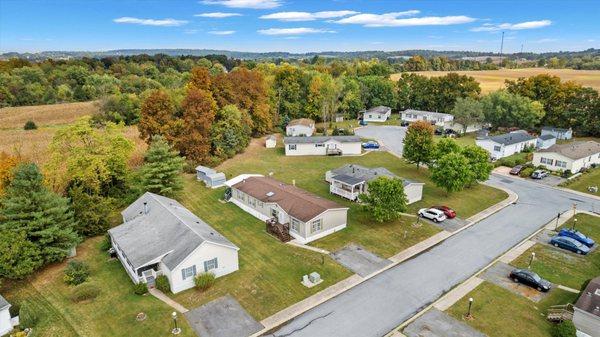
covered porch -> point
(347, 187)
(148, 274)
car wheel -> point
(435, 220)
(579, 252)
(539, 288)
(556, 245)
(515, 280)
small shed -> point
(545, 141)
(210, 177)
(339, 118)
(270, 142)
(5, 321)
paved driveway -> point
(383, 302)
(390, 136)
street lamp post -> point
(574, 223)
(531, 260)
(176, 329)
(469, 310)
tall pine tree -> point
(161, 172)
(37, 218)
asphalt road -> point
(391, 136)
(383, 302)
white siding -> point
(270, 143)
(333, 220)
(5, 323)
(299, 130)
(571, 164)
(437, 120)
(586, 322)
(414, 192)
(312, 149)
(498, 150)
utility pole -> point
(502, 45)
(521, 48)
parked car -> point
(362, 122)
(439, 131)
(448, 212)
(432, 214)
(529, 278)
(577, 236)
(539, 174)
(370, 145)
(569, 244)
(404, 123)
(516, 170)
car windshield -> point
(536, 277)
(579, 235)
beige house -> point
(309, 216)
(322, 146)
(571, 156)
(350, 180)
(586, 315)
(304, 127)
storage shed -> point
(210, 177)
(270, 142)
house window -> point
(210, 265)
(274, 212)
(320, 145)
(548, 161)
(260, 204)
(251, 201)
(295, 225)
(561, 163)
(317, 225)
(292, 147)
(497, 148)
(188, 272)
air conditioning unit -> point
(314, 277)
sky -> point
(299, 25)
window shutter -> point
(194, 270)
(183, 273)
(216, 263)
(205, 266)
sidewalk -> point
(161, 296)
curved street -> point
(380, 304)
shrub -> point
(140, 288)
(526, 172)
(564, 329)
(76, 272)
(566, 174)
(105, 244)
(204, 281)
(162, 284)
(319, 129)
(84, 292)
(30, 125)
(27, 316)
(520, 161)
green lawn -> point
(353, 123)
(590, 178)
(499, 312)
(561, 267)
(466, 139)
(112, 313)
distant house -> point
(300, 127)
(161, 237)
(545, 141)
(6, 325)
(377, 114)
(210, 177)
(439, 119)
(559, 133)
(270, 142)
(322, 145)
(571, 156)
(309, 216)
(507, 144)
(350, 180)
(586, 312)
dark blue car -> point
(569, 244)
(370, 145)
(577, 235)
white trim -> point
(249, 210)
(319, 235)
(235, 180)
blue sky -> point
(298, 25)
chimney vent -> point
(145, 207)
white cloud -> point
(150, 22)
(394, 20)
(254, 4)
(217, 15)
(488, 27)
(545, 40)
(293, 31)
(306, 16)
(222, 32)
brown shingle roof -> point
(589, 301)
(575, 150)
(302, 121)
(296, 202)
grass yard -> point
(562, 267)
(112, 313)
(491, 80)
(581, 183)
(467, 139)
(353, 123)
(270, 271)
(499, 312)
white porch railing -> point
(343, 193)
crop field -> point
(491, 80)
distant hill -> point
(285, 55)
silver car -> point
(432, 214)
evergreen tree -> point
(162, 171)
(44, 218)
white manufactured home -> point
(6, 324)
(308, 216)
(586, 311)
(559, 133)
(507, 144)
(571, 156)
(377, 114)
(351, 180)
(439, 119)
(161, 237)
(322, 146)
(303, 127)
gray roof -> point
(575, 150)
(547, 137)
(205, 170)
(166, 228)
(511, 138)
(589, 300)
(321, 139)
(3, 302)
(551, 128)
(379, 110)
(354, 174)
(428, 113)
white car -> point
(432, 214)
